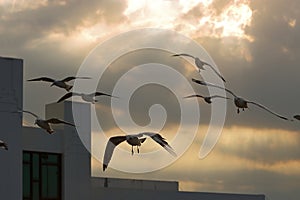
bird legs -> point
(137, 148)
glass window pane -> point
(26, 180)
(52, 159)
(26, 157)
(35, 191)
(50, 181)
(35, 166)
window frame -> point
(32, 181)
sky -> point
(254, 44)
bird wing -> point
(263, 107)
(25, 111)
(101, 94)
(194, 95)
(161, 141)
(4, 145)
(184, 54)
(110, 146)
(68, 95)
(216, 72)
(212, 85)
(42, 79)
(70, 78)
(218, 96)
(58, 121)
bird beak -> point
(51, 84)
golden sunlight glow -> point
(231, 22)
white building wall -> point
(11, 98)
(76, 159)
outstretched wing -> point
(161, 141)
(194, 95)
(70, 78)
(68, 95)
(212, 85)
(218, 96)
(102, 94)
(110, 146)
(58, 121)
(3, 145)
(25, 111)
(263, 107)
(42, 79)
(184, 54)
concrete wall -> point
(133, 184)
(11, 98)
(76, 159)
(114, 188)
(138, 194)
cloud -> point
(244, 160)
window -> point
(41, 176)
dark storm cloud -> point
(29, 24)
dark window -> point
(41, 176)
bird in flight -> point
(59, 83)
(86, 97)
(45, 124)
(239, 102)
(134, 140)
(200, 64)
(3, 145)
(207, 99)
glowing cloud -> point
(205, 21)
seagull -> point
(200, 64)
(86, 97)
(133, 140)
(207, 99)
(239, 102)
(3, 145)
(297, 117)
(45, 124)
(59, 83)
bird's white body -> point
(44, 125)
(62, 84)
(133, 140)
(240, 102)
(199, 63)
(88, 98)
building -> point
(41, 166)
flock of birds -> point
(136, 140)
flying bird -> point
(3, 145)
(59, 83)
(200, 64)
(134, 140)
(86, 97)
(45, 124)
(207, 99)
(239, 102)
